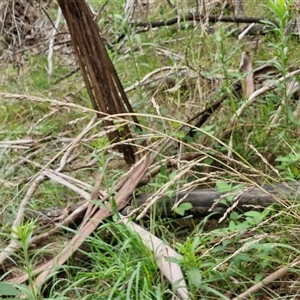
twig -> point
(74, 144)
(269, 279)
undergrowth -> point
(221, 256)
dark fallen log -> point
(206, 201)
(199, 17)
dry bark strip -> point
(100, 77)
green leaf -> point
(186, 205)
(208, 161)
(182, 208)
(258, 277)
(172, 259)
(223, 187)
(253, 214)
(194, 276)
(8, 290)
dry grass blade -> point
(161, 191)
(52, 102)
(74, 144)
(259, 92)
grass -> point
(219, 260)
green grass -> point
(219, 261)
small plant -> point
(289, 166)
(282, 45)
(183, 208)
(22, 234)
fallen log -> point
(206, 201)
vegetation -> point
(244, 141)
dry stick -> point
(19, 147)
(269, 279)
(199, 17)
(242, 34)
(101, 79)
(205, 201)
(71, 179)
(194, 17)
(255, 288)
(247, 69)
(67, 184)
(18, 144)
(247, 86)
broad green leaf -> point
(8, 290)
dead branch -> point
(200, 17)
(205, 201)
